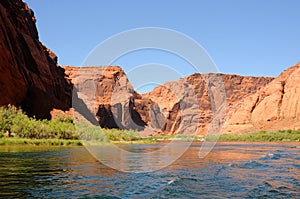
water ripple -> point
(232, 170)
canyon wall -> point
(184, 106)
(31, 78)
(29, 74)
(274, 107)
(206, 89)
(106, 94)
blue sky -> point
(260, 38)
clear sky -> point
(246, 37)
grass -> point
(16, 128)
(39, 142)
(262, 136)
(125, 138)
(173, 137)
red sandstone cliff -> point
(206, 89)
(31, 78)
(106, 93)
(29, 75)
(184, 106)
(274, 107)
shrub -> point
(18, 124)
(281, 135)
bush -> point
(122, 135)
(281, 135)
(17, 124)
(95, 133)
(89, 132)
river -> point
(230, 170)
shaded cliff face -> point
(274, 107)
(29, 75)
(106, 93)
(31, 78)
(206, 88)
(185, 106)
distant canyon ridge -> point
(31, 79)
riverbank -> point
(39, 142)
(16, 128)
(263, 136)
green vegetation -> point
(278, 136)
(17, 128)
(262, 136)
(179, 137)
(89, 132)
(14, 123)
(39, 142)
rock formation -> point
(31, 78)
(206, 93)
(29, 75)
(184, 106)
(274, 107)
(106, 93)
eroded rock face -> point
(29, 74)
(274, 107)
(107, 94)
(252, 103)
(209, 95)
(184, 107)
(31, 78)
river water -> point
(231, 170)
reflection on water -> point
(139, 158)
(231, 170)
